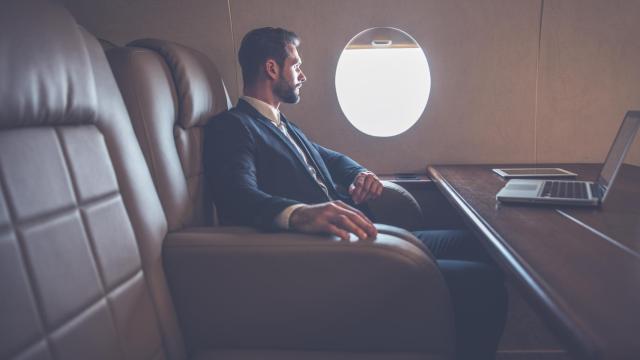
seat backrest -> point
(81, 227)
(171, 91)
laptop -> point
(571, 192)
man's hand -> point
(366, 186)
(333, 217)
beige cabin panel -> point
(201, 24)
(489, 102)
(482, 56)
(589, 77)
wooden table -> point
(580, 267)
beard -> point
(286, 92)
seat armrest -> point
(248, 290)
(396, 206)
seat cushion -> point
(81, 227)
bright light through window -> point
(383, 88)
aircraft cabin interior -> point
(306, 179)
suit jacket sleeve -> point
(229, 160)
(343, 169)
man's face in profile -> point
(287, 88)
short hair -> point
(262, 44)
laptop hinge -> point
(597, 190)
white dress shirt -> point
(273, 114)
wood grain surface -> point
(579, 267)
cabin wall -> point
(589, 77)
(200, 24)
(512, 81)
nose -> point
(301, 77)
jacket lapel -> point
(251, 111)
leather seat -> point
(85, 243)
(81, 226)
(171, 91)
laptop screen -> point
(618, 150)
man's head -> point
(271, 55)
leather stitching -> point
(88, 236)
(28, 271)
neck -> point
(264, 93)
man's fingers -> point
(377, 186)
(369, 182)
(332, 229)
(366, 186)
(360, 222)
(376, 191)
(361, 195)
(335, 217)
(355, 189)
(367, 189)
(356, 196)
(345, 222)
(358, 192)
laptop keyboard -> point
(565, 189)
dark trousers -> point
(477, 291)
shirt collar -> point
(264, 109)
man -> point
(264, 172)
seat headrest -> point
(45, 80)
(199, 87)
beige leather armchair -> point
(81, 226)
(396, 206)
(82, 231)
(242, 294)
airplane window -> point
(383, 81)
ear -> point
(272, 69)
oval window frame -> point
(351, 99)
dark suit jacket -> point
(253, 172)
